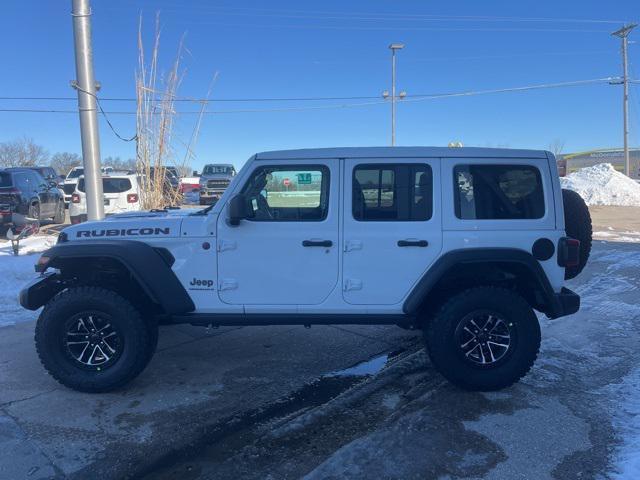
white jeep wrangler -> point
(462, 243)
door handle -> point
(413, 243)
(317, 243)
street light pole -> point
(85, 84)
(623, 33)
(394, 47)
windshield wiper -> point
(204, 211)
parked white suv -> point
(462, 243)
(71, 180)
(121, 194)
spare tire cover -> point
(577, 224)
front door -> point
(287, 252)
(392, 227)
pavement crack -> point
(13, 402)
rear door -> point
(501, 202)
(392, 227)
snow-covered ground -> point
(15, 272)
(617, 236)
(603, 185)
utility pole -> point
(85, 84)
(623, 33)
(393, 47)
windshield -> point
(75, 173)
(218, 169)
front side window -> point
(498, 192)
(283, 193)
(392, 192)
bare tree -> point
(156, 140)
(556, 146)
(63, 162)
(22, 152)
(118, 164)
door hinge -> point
(227, 284)
(227, 245)
(351, 245)
(352, 284)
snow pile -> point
(15, 272)
(34, 244)
(603, 185)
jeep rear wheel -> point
(484, 338)
(92, 340)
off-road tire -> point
(577, 224)
(59, 217)
(446, 354)
(50, 339)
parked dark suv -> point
(26, 192)
(49, 174)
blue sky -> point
(334, 48)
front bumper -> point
(39, 290)
(564, 303)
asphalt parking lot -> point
(337, 402)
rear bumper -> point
(566, 303)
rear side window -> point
(498, 192)
(110, 185)
(392, 192)
(5, 179)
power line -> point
(414, 98)
(263, 99)
(104, 114)
(202, 100)
(399, 28)
(383, 16)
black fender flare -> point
(467, 257)
(149, 266)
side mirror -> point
(237, 209)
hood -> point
(130, 226)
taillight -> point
(568, 252)
(75, 198)
(132, 198)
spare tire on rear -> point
(577, 224)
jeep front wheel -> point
(485, 338)
(92, 340)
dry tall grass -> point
(156, 115)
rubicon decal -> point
(125, 232)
